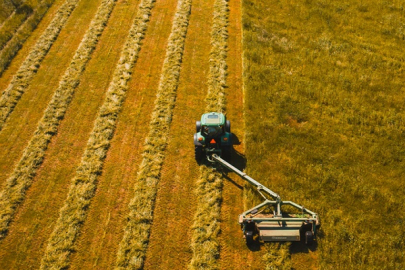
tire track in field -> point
(32, 224)
(206, 226)
(98, 242)
(133, 246)
(234, 253)
(83, 186)
(169, 243)
(29, 67)
(21, 179)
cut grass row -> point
(7, 8)
(16, 19)
(206, 225)
(14, 41)
(83, 186)
(36, 217)
(29, 67)
(169, 243)
(133, 246)
(21, 178)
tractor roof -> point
(212, 119)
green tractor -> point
(213, 136)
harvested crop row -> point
(132, 249)
(14, 41)
(206, 226)
(7, 8)
(21, 178)
(29, 67)
(83, 185)
(16, 20)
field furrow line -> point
(29, 67)
(16, 21)
(21, 178)
(132, 249)
(83, 186)
(206, 226)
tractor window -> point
(212, 131)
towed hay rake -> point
(266, 219)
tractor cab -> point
(213, 135)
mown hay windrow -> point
(83, 186)
(16, 20)
(11, 25)
(132, 249)
(29, 67)
(11, 42)
(23, 174)
(206, 226)
(7, 8)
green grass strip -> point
(22, 176)
(133, 246)
(29, 67)
(83, 186)
(206, 226)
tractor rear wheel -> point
(228, 126)
(249, 238)
(198, 153)
(309, 238)
(198, 126)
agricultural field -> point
(98, 105)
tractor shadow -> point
(301, 247)
(236, 159)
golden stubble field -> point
(99, 222)
(107, 178)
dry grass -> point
(7, 8)
(325, 121)
(206, 226)
(16, 19)
(217, 75)
(11, 41)
(29, 67)
(21, 178)
(277, 256)
(132, 249)
(83, 186)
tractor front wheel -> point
(228, 126)
(198, 152)
(198, 126)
